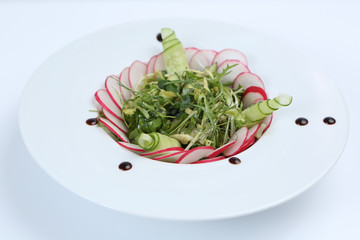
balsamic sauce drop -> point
(92, 121)
(329, 120)
(125, 166)
(159, 37)
(301, 121)
(234, 160)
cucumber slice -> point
(257, 112)
(174, 53)
(166, 33)
(264, 108)
(156, 141)
(170, 43)
(175, 59)
(272, 107)
(174, 43)
(145, 141)
(283, 100)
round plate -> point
(287, 160)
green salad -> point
(183, 107)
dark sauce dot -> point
(159, 37)
(234, 160)
(92, 121)
(301, 121)
(329, 120)
(125, 166)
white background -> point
(33, 206)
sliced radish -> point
(234, 71)
(209, 160)
(103, 98)
(114, 129)
(117, 122)
(190, 51)
(221, 149)
(250, 138)
(253, 95)
(246, 80)
(159, 64)
(264, 125)
(202, 59)
(132, 147)
(113, 89)
(172, 157)
(137, 72)
(195, 154)
(240, 137)
(162, 152)
(124, 79)
(150, 65)
(228, 54)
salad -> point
(187, 105)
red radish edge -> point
(162, 151)
(169, 155)
(220, 149)
(130, 73)
(112, 129)
(98, 99)
(271, 118)
(109, 92)
(192, 150)
(150, 65)
(237, 146)
(243, 73)
(128, 146)
(250, 138)
(122, 90)
(109, 116)
(235, 50)
(209, 160)
(257, 90)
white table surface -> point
(33, 206)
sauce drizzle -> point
(234, 160)
(92, 121)
(329, 120)
(125, 166)
(159, 37)
(301, 121)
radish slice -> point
(190, 52)
(228, 54)
(253, 95)
(114, 129)
(150, 65)
(172, 157)
(221, 149)
(159, 64)
(124, 79)
(246, 80)
(162, 152)
(234, 71)
(264, 125)
(202, 59)
(250, 138)
(137, 72)
(117, 122)
(240, 137)
(195, 154)
(210, 160)
(113, 89)
(103, 98)
(132, 147)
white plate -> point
(281, 165)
